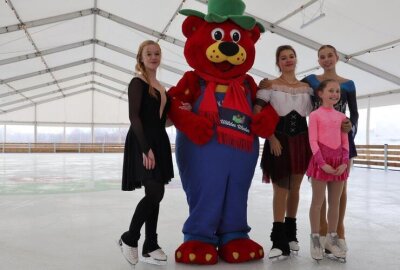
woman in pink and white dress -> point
(287, 152)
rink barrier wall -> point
(372, 156)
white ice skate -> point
(130, 253)
(157, 257)
(276, 254)
(316, 250)
(322, 240)
(332, 248)
(342, 244)
(294, 247)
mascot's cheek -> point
(238, 58)
(215, 55)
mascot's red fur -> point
(217, 145)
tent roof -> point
(51, 50)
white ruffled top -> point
(285, 99)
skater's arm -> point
(313, 138)
(135, 92)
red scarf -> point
(235, 99)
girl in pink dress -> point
(328, 166)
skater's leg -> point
(323, 223)
(318, 196)
(151, 226)
(291, 211)
(150, 245)
(342, 212)
(154, 193)
(280, 243)
(279, 202)
(293, 195)
(331, 244)
(335, 189)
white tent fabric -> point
(71, 61)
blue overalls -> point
(216, 179)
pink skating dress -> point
(328, 143)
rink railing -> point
(63, 148)
(378, 156)
(374, 156)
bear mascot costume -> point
(217, 145)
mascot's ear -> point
(191, 25)
(254, 34)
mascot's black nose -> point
(228, 48)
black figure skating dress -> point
(147, 131)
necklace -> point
(290, 83)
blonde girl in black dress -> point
(147, 155)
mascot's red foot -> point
(241, 250)
(196, 252)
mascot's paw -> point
(196, 252)
(201, 131)
(241, 250)
(264, 123)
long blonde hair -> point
(140, 65)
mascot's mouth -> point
(223, 66)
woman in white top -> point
(287, 152)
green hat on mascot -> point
(222, 10)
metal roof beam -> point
(73, 64)
(17, 92)
(315, 45)
(269, 26)
(127, 71)
(387, 45)
(32, 41)
(46, 84)
(139, 27)
(80, 44)
(101, 75)
(49, 20)
(110, 94)
(113, 66)
(65, 80)
(44, 94)
(46, 52)
(291, 14)
(343, 57)
(133, 55)
(394, 91)
(46, 101)
(41, 72)
(106, 15)
(110, 88)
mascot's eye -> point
(217, 34)
(235, 35)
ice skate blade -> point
(317, 260)
(150, 260)
(119, 244)
(279, 258)
(334, 258)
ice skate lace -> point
(334, 241)
(316, 243)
